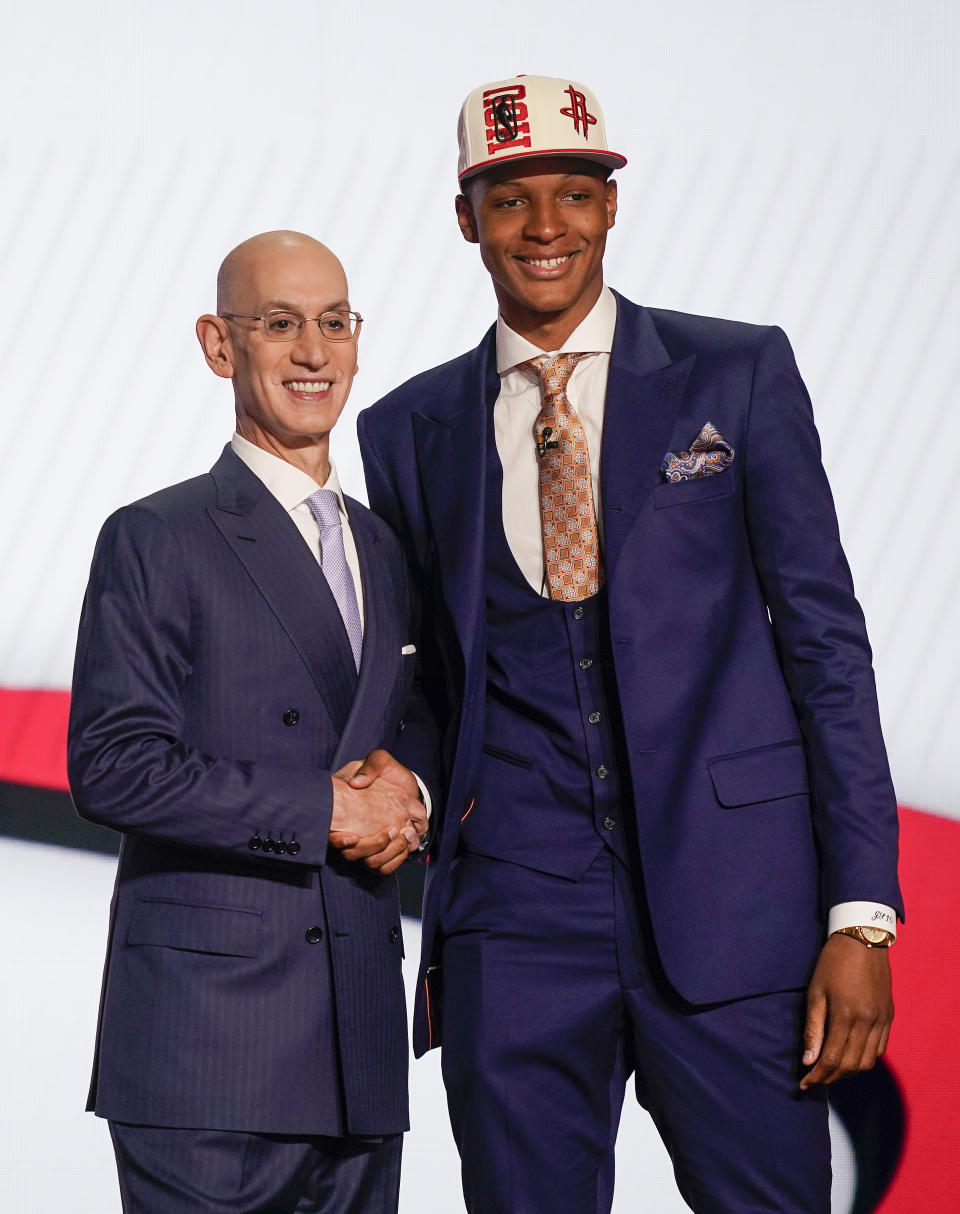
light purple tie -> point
(325, 508)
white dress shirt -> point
(514, 414)
(291, 486)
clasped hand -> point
(378, 816)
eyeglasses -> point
(287, 326)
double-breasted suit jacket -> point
(760, 785)
(253, 977)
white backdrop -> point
(790, 161)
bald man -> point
(243, 713)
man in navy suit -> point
(669, 840)
(245, 642)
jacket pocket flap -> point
(759, 775)
(228, 930)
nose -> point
(310, 349)
(544, 221)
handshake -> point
(378, 814)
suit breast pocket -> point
(686, 493)
(408, 668)
(229, 931)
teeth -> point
(312, 385)
(547, 263)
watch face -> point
(875, 935)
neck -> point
(548, 330)
(309, 455)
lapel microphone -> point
(545, 445)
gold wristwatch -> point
(872, 937)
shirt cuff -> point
(424, 795)
(862, 914)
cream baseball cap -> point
(531, 116)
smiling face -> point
(288, 394)
(542, 228)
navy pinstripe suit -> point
(214, 692)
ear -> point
(611, 203)
(466, 219)
(214, 338)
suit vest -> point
(554, 786)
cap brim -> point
(611, 160)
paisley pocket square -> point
(709, 453)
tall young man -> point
(669, 841)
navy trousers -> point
(173, 1171)
(553, 996)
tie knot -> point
(554, 373)
(325, 508)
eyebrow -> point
(283, 306)
(519, 182)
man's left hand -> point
(849, 1011)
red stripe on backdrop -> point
(33, 737)
(923, 1051)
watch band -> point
(872, 937)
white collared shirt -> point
(514, 414)
(516, 410)
(291, 486)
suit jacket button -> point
(291, 716)
(293, 848)
(254, 843)
(394, 934)
(313, 934)
(609, 823)
(578, 613)
(280, 847)
(267, 844)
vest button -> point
(578, 613)
(609, 823)
(313, 934)
(586, 663)
(602, 772)
(291, 716)
(394, 934)
(594, 718)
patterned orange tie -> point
(571, 545)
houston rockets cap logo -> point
(531, 116)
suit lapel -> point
(380, 663)
(644, 391)
(451, 455)
(268, 545)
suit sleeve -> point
(381, 490)
(820, 635)
(128, 765)
(419, 745)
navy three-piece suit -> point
(253, 978)
(654, 796)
